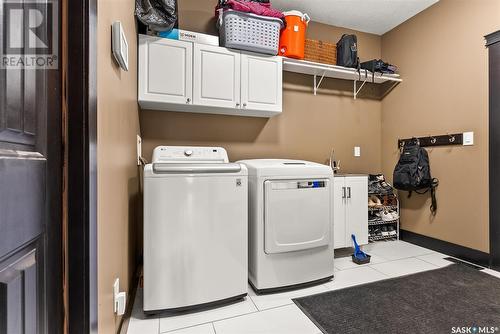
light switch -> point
(357, 151)
(468, 138)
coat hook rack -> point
(441, 140)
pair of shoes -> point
(374, 187)
(374, 202)
(392, 231)
(373, 217)
(389, 201)
(376, 231)
(377, 184)
(389, 215)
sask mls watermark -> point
(475, 330)
(29, 34)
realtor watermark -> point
(29, 35)
(475, 330)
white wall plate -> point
(120, 45)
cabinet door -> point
(216, 76)
(165, 70)
(261, 82)
(339, 207)
(356, 209)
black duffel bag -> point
(157, 15)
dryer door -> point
(297, 214)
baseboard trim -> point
(448, 248)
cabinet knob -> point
(188, 100)
(237, 105)
(244, 105)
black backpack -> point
(413, 172)
(347, 51)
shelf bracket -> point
(316, 83)
(356, 90)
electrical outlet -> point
(116, 291)
(119, 298)
(139, 150)
(468, 138)
(357, 151)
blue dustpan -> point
(359, 257)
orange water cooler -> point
(293, 37)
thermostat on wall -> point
(120, 45)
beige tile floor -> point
(276, 313)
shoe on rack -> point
(389, 201)
(378, 183)
(374, 217)
(387, 216)
(377, 232)
(374, 202)
(384, 231)
(392, 231)
(395, 215)
(374, 187)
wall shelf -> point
(320, 71)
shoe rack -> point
(378, 228)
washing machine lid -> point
(285, 167)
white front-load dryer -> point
(290, 223)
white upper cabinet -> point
(216, 76)
(261, 82)
(183, 76)
(165, 70)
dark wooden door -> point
(30, 174)
(493, 43)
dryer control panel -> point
(298, 184)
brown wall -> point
(117, 178)
(309, 126)
(443, 62)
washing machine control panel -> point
(188, 154)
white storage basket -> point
(246, 31)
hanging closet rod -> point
(441, 140)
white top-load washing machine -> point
(290, 223)
(195, 228)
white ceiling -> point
(373, 16)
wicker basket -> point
(245, 31)
(321, 52)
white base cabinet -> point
(183, 76)
(350, 215)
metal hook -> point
(433, 140)
(451, 139)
